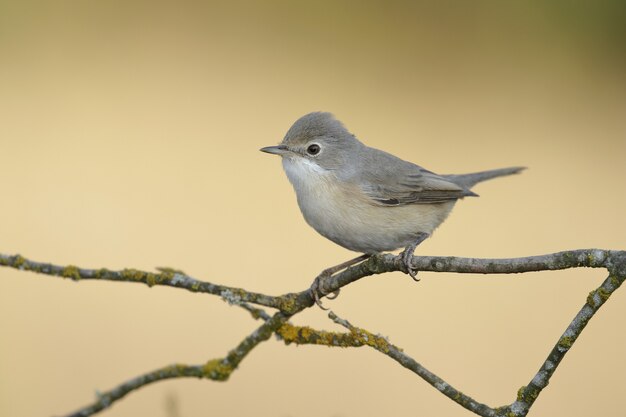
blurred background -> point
(129, 137)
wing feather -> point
(391, 181)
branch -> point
(293, 303)
(379, 264)
(527, 395)
(167, 277)
(215, 369)
(358, 337)
(613, 261)
(104, 400)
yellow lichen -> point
(288, 303)
(614, 281)
(239, 292)
(590, 301)
(366, 338)
(140, 276)
(102, 273)
(216, 369)
(166, 275)
(132, 275)
(303, 334)
(306, 332)
(565, 342)
(288, 332)
(356, 338)
(151, 279)
(71, 271)
(604, 294)
(306, 335)
(19, 261)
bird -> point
(365, 199)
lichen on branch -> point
(288, 305)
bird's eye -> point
(313, 149)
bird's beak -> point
(276, 150)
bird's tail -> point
(469, 180)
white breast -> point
(316, 189)
(346, 216)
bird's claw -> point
(317, 290)
(407, 256)
(333, 295)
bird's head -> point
(317, 140)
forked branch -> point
(290, 304)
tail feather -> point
(469, 180)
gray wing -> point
(391, 181)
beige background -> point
(129, 137)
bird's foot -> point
(407, 256)
(318, 290)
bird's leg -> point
(407, 255)
(317, 288)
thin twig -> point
(528, 394)
(382, 345)
(166, 277)
(293, 303)
(216, 369)
(358, 337)
(378, 264)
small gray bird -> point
(364, 199)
